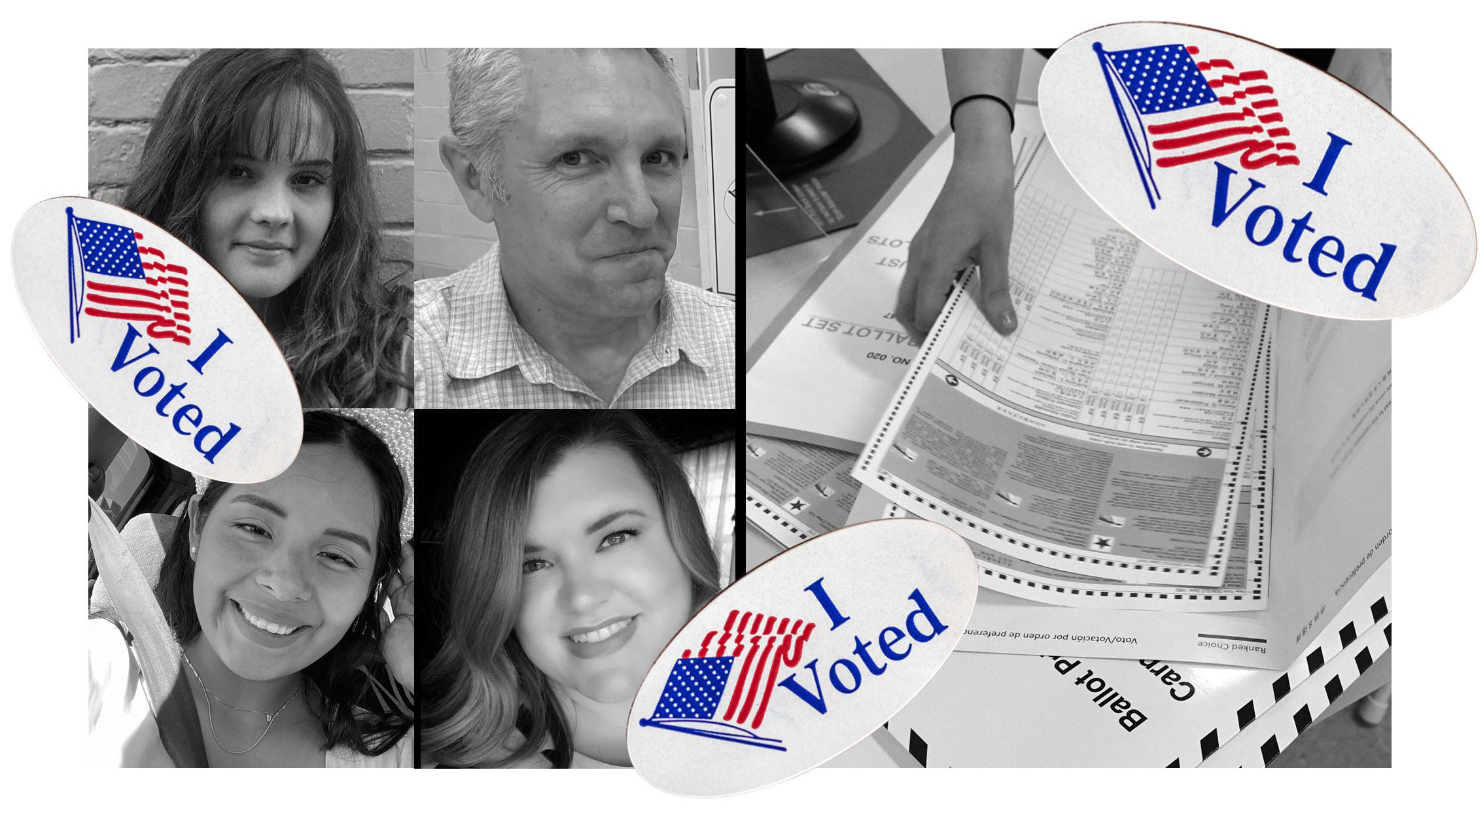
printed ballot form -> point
(824, 372)
(1318, 527)
(795, 491)
(1242, 589)
(1100, 436)
(1150, 466)
(1245, 580)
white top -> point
(122, 732)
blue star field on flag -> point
(1162, 78)
(694, 688)
(108, 249)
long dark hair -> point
(482, 691)
(346, 327)
(352, 713)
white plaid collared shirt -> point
(471, 352)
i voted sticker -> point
(157, 340)
(802, 658)
(1257, 171)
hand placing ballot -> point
(970, 223)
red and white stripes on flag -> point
(766, 644)
(161, 299)
(1247, 121)
(122, 279)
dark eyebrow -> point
(258, 501)
(677, 143)
(353, 538)
(275, 509)
(577, 139)
(570, 141)
(610, 517)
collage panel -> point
(573, 248)
(254, 625)
(290, 172)
(560, 551)
(1005, 336)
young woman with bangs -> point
(257, 161)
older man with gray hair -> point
(577, 158)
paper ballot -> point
(1157, 464)
(1245, 580)
(794, 491)
(1327, 526)
(1102, 436)
(824, 370)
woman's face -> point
(602, 590)
(284, 566)
(266, 219)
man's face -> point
(593, 171)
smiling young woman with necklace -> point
(275, 591)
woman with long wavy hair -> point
(575, 552)
(257, 161)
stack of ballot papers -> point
(1159, 477)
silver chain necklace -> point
(211, 718)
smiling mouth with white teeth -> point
(266, 625)
(602, 633)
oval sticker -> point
(1257, 171)
(157, 340)
(802, 658)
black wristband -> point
(1011, 120)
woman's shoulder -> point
(122, 732)
(108, 657)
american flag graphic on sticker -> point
(723, 691)
(1177, 106)
(114, 273)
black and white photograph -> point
(1144, 462)
(290, 172)
(559, 553)
(566, 230)
(262, 625)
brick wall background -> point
(126, 86)
(448, 237)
